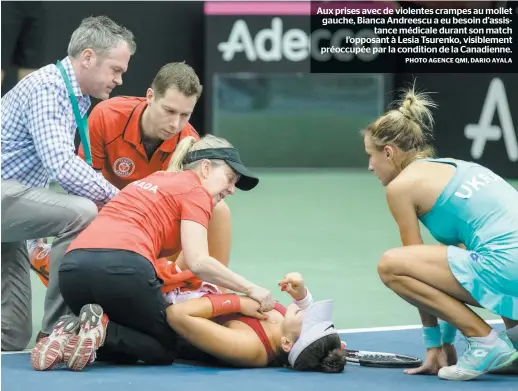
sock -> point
(489, 340)
(513, 335)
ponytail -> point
(409, 126)
(334, 362)
(181, 150)
(415, 107)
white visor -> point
(317, 323)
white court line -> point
(397, 328)
(346, 331)
(23, 351)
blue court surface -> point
(17, 374)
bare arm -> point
(220, 233)
(403, 209)
(191, 320)
(219, 237)
(196, 256)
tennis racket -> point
(381, 360)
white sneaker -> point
(479, 359)
(49, 351)
(80, 350)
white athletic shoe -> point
(511, 369)
(49, 351)
(479, 359)
(80, 349)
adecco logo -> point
(275, 44)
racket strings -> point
(382, 359)
(388, 358)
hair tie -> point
(405, 114)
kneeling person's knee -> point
(82, 212)
(388, 265)
(87, 211)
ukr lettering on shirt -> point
(476, 183)
(146, 186)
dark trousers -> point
(126, 286)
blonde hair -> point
(409, 126)
(189, 144)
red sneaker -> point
(80, 349)
(49, 351)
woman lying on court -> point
(230, 329)
(111, 278)
(473, 213)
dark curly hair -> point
(323, 355)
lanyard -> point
(82, 122)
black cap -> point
(247, 180)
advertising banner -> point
(476, 118)
(262, 95)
